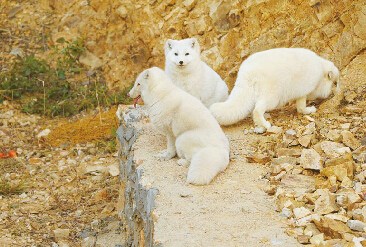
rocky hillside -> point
(124, 37)
(128, 36)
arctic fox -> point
(272, 78)
(190, 129)
(185, 68)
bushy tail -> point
(237, 107)
(206, 164)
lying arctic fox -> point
(272, 78)
(185, 68)
(191, 130)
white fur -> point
(191, 130)
(193, 75)
(272, 78)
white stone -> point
(113, 170)
(309, 129)
(331, 149)
(345, 126)
(301, 212)
(337, 217)
(310, 159)
(304, 221)
(356, 225)
(290, 132)
(286, 212)
(43, 133)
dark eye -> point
(187, 54)
(176, 54)
(138, 84)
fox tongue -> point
(135, 100)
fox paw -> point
(259, 130)
(198, 179)
(308, 110)
(165, 155)
(262, 129)
(183, 162)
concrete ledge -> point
(138, 201)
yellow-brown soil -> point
(92, 128)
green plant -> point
(44, 87)
(24, 78)
(68, 56)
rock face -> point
(128, 36)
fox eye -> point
(187, 54)
(176, 54)
(138, 84)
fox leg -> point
(258, 117)
(170, 152)
(301, 106)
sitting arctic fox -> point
(191, 130)
(185, 68)
(272, 78)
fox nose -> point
(180, 62)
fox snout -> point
(131, 93)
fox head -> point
(147, 81)
(182, 53)
(331, 77)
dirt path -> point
(232, 211)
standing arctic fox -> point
(272, 78)
(186, 69)
(191, 130)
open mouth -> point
(135, 100)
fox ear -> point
(168, 44)
(194, 42)
(195, 45)
(146, 76)
(330, 75)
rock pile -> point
(64, 189)
(318, 179)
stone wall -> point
(136, 202)
(128, 36)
